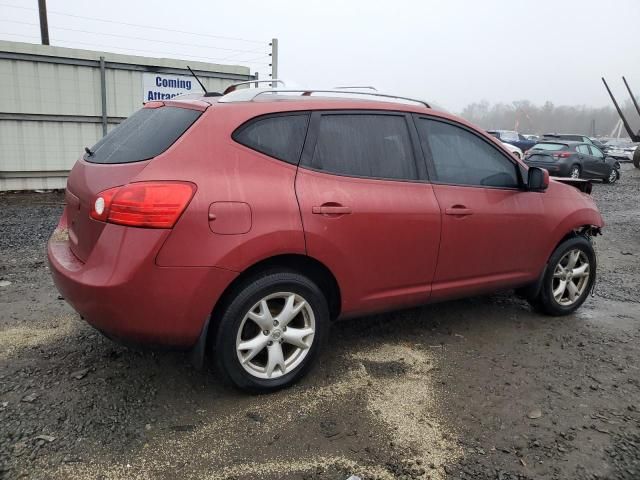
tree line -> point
(526, 117)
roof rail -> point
(234, 86)
(249, 95)
(368, 87)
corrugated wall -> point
(51, 105)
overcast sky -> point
(451, 52)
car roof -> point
(311, 99)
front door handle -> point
(331, 209)
(458, 210)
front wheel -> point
(636, 158)
(271, 332)
(568, 279)
(613, 177)
(575, 172)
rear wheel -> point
(271, 332)
(636, 158)
(568, 279)
(575, 171)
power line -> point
(195, 57)
(220, 37)
(137, 38)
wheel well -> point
(585, 230)
(302, 264)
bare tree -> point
(525, 117)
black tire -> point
(244, 298)
(614, 176)
(545, 302)
(636, 158)
(575, 168)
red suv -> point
(242, 225)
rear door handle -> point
(331, 210)
(458, 210)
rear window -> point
(549, 146)
(144, 135)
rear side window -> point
(462, 158)
(280, 136)
(144, 135)
(365, 145)
(553, 147)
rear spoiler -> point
(584, 186)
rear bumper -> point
(121, 291)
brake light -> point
(562, 155)
(143, 204)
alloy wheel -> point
(571, 277)
(275, 335)
(613, 176)
(575, 172)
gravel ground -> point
(474, 389)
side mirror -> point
(538, 180)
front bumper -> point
(122, 292)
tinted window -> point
(366, 145)
(144, 135)
(583, 149)
(549, 146)
(281, 136)
(461, 157)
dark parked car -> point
(513, 138)
(573, 159)
(243, 225)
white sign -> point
(161, 86)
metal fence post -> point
(103, 94)
(274, 59)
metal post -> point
(44, 25)
(256, 77)
(103, 94)
(274, 59)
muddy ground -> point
(474, 389)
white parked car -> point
(622, 152)
(513, 149)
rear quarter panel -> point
(225, 171)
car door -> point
(368, 213)
(491, 226)
(587, 161)
(600, 167)
(593, 162)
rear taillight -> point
(562, 155)
(143, 204)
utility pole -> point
(44, 25)
(274, 60)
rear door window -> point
(280, 136)
(460, 157)
(144, 135)
(365, 145)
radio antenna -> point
(198, 80)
